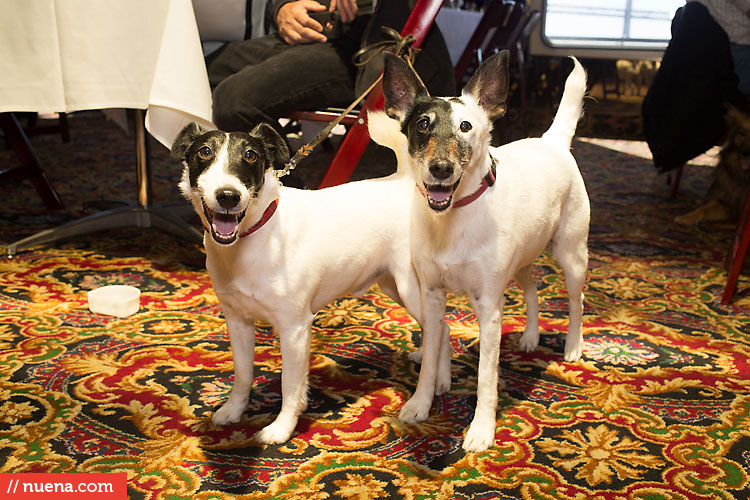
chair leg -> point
(738, 251)
(64, 130)
(31, 167)
(676, 182)
(522, 86)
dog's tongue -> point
(745, 163)
(225, 224)
(439, 196)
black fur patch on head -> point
(201, 153)
(437, 114)
(248, 155)
(247, 159)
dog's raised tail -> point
(563, 127)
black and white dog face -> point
(224, 172)
(445, 135)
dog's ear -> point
(184, 140)
(275, 145)
(489, 85)
(400, 86)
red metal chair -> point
(737, 253)
(353, 146)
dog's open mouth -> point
(223, 225)
(440, 196)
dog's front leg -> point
(295, 364)
(481, 432)
(417, 408)
(242, 338)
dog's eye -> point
(250, 156)
(423, 124)
(465, 126)
(205, 152)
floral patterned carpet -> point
(658, 407)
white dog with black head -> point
(279, 254)
(481, 216)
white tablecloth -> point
(72, 55)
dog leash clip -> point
(291, 165)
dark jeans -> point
(264, 79)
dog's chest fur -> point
(250, 292)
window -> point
(609, 24)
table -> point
(72, 55)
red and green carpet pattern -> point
(658, 408)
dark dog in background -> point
(731, 176)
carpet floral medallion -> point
(658, 408)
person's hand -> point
(296, 26)
(347, 9)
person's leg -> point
(235, 56)
(297, 77)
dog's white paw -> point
(229, 413)
(443, 380)
(573, 350)
(529, 341)
(415, 410)
(274, 433)
(479, 437)
(416, 356)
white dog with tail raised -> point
(481, 215)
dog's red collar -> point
(266, 216)
(487, 181)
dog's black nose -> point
(228, 198)
(441, 169)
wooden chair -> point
(30, 167)
(33, 128)
(353, 146)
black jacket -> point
(683, 111)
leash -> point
(401, 46)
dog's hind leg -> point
(295, 364)
(242, 337)
(481, 432)
(572, 255)
(530, 338)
